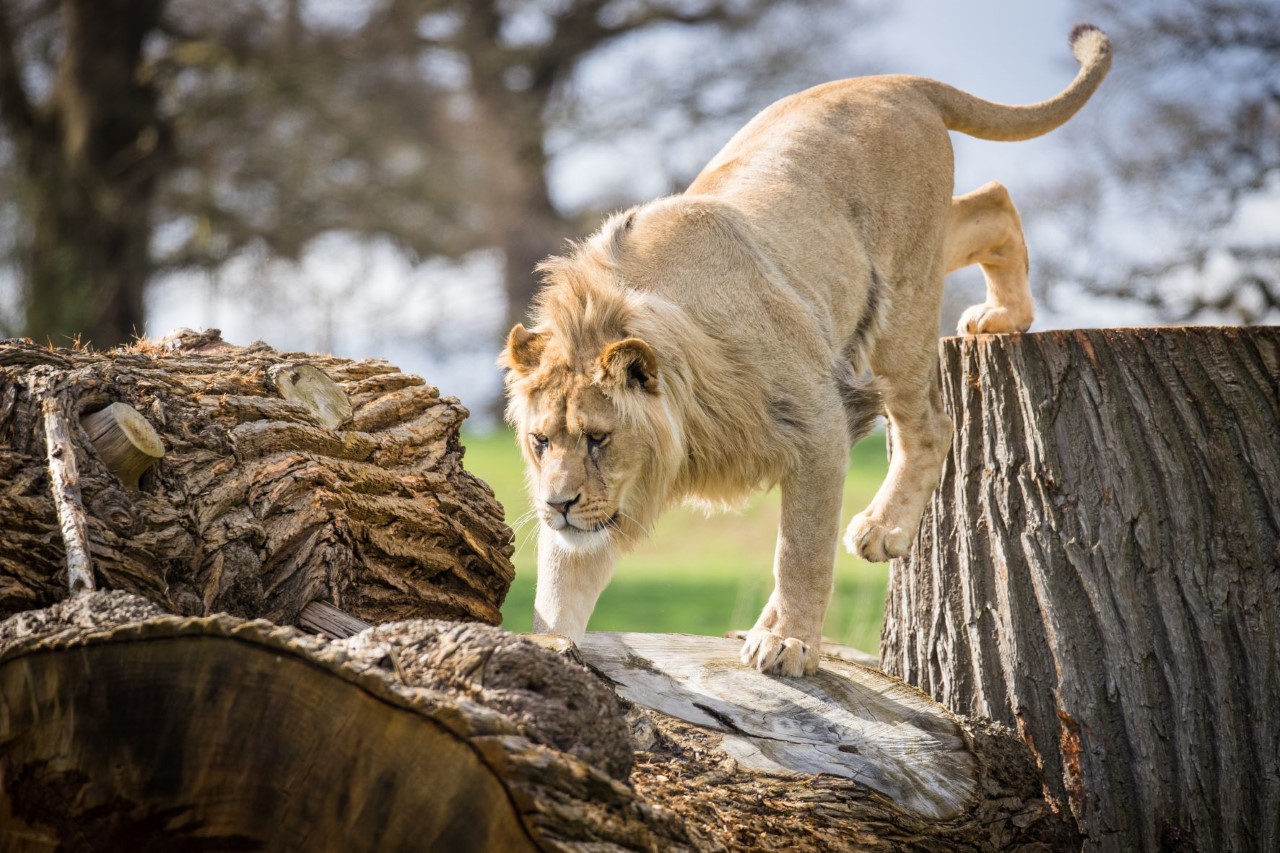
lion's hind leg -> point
(985, 229)
(905, 361)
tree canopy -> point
(144, 138)
(1174, 180)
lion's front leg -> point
(569, 584)
(786, 637)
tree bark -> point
(257, 507)
(121, 726)
(1100, 568)
(124, 728)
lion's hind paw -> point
(772, 653)
(987, 319)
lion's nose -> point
(562, 507)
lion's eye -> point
(597, 439)
(539, 442)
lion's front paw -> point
(987, 319)
(875, 540)
(770, 652)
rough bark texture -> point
(122, 727)
(1100, 568)
(256, 508)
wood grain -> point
(846, 720)
(122, 728)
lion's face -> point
(583, 461)
(588, 452)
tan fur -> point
(706, 345)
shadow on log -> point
(285, 478)
(1100, 568)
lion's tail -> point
(986, 120)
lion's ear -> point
(629, 363)
(524, 349)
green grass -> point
(698, 574)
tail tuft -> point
(1088, 43)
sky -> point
(1015, 52)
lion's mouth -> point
(610, 523)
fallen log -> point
(121, 725)
(214, 478)
(1100, 568)
(124, 728)
(848, 759)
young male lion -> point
(704, 345)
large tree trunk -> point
(1100, 568)
(285, 478)
(91, 160)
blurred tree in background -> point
(85, 149)
(1173, 194)
(141, 138)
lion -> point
(712, 343)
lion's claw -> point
(875, 540)
(987, 319)
(770, 652)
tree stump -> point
(1100, 568)
(214, 478)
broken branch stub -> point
(312, 387)
(125, 440)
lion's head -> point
(587, 400)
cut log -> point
(129, 727)
(847, 759)
(125, 441)
(122, 729)
(1100, 568)
(260, 506)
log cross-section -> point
(312, 387)
(127, 443)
